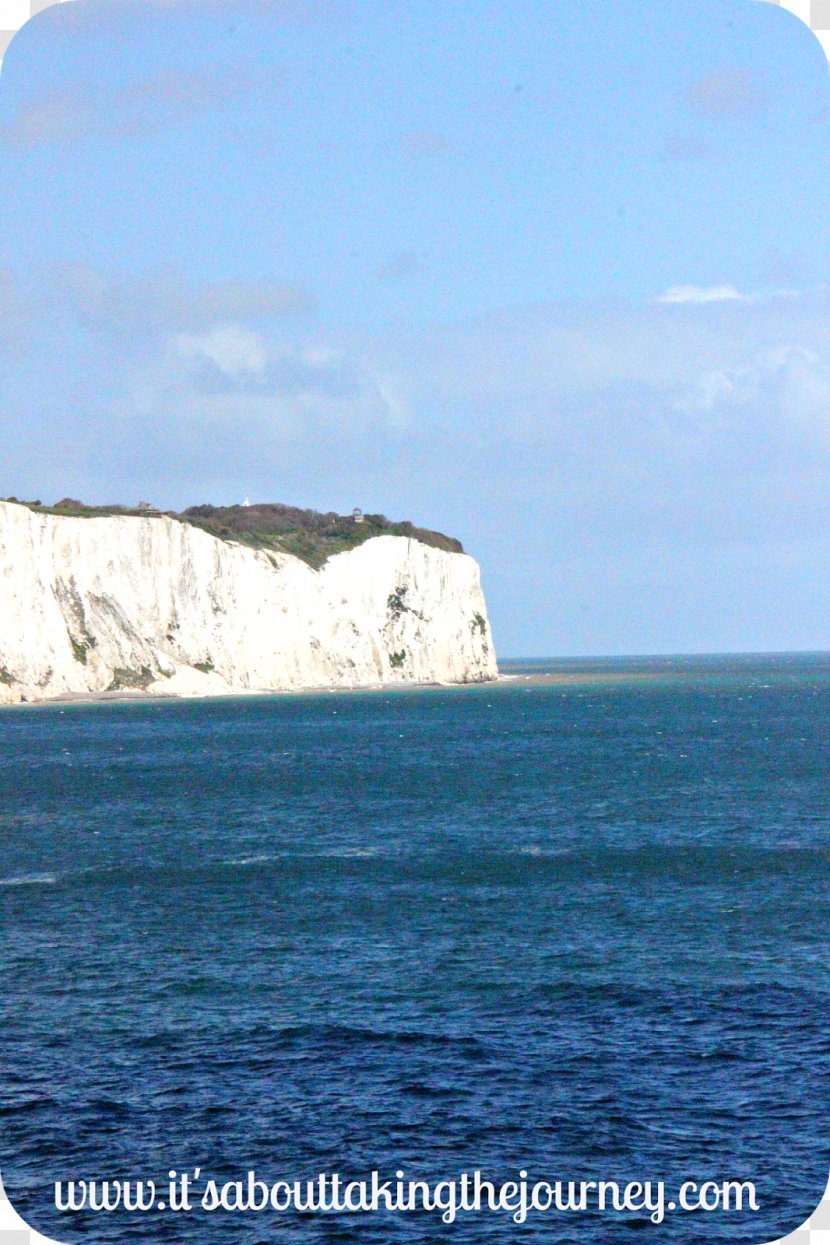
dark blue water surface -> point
(578, 928)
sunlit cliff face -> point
(133, 605)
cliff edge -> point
(151, 604)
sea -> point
(573, 924)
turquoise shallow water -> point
(573, 924)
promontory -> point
(225, 600)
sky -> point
(554, 279)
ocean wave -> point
(343, 853)
(30, 879)
(693, 864)
(240, 861)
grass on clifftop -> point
(307, 534)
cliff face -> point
(152, 604)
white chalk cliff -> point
(156, 605)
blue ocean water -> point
(574, 923)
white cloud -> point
(321, 356)
(288, 389)
(701, 294)
(786, 387)
(395, 398)
(733, 385)
(235, 350)
(135, 110)
(730, 93)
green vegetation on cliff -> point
(306, 534)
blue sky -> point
(553, 278)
